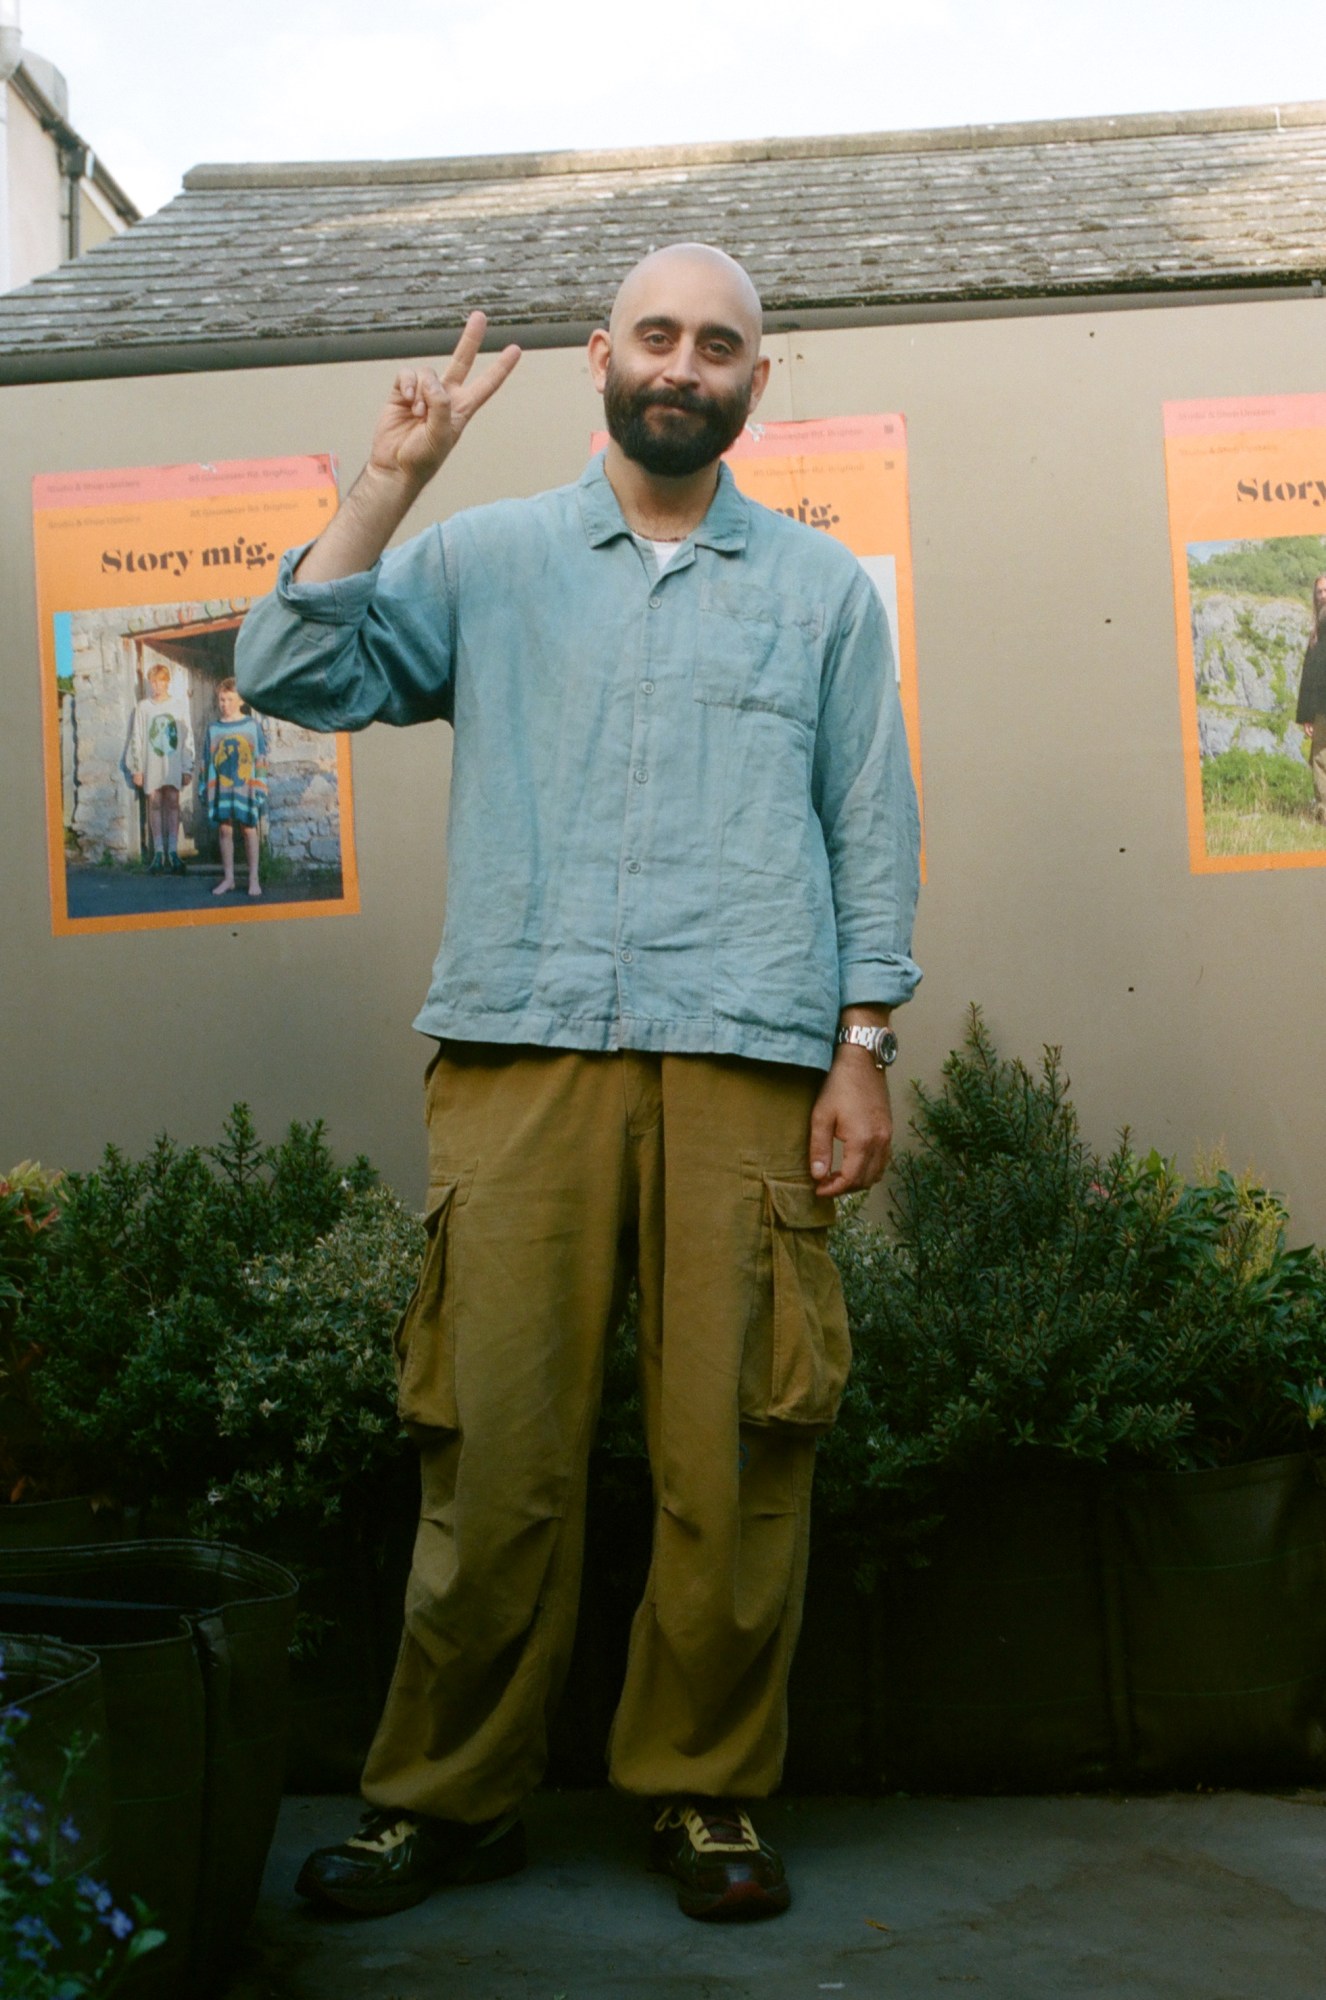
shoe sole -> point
(489, 1862)
(741, 1903)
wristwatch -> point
(882, 1043)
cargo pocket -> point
(798, 1349)
(424, 1338)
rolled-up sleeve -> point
(866, 803)
(374, 647)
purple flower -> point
(69, 1832)
(19, 1858)
(118, 1924)
(40, 1878)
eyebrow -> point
(712, 329)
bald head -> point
(679, 364)
(683, 270)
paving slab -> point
(1219, 1895)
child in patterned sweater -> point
(235, 784)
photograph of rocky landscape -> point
(1253, 620)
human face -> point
(672, 430)
(680, 368)
(158, 682)
(229, 703)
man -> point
(1311, 710)
(681, 860)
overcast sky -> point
(156, 86)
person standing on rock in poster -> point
(682, 864)
(1311, 710)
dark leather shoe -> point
(723, 1870)
(397, 1859)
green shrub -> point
(1033, 1301)
(1248, 781)
(305, 1380)
(150, 1281)
(29, 1213)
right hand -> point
(426, 413)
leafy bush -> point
(29, 1211)
(1248, 781)
(304, 1379)
(149, 1284)
(1032, 1300)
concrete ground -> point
(1221, 1896)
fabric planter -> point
(1216, 1600)
(53, 1524)
(992, 1671)
(193, 1639)
(1145, 1629)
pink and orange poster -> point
(1247, 507)
(167, 802)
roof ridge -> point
(934, 139)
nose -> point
(681, 366)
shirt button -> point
(641, 777)
(646, 687)
(654, 603)
(633, 867)
(627, 956)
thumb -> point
(821, 1141)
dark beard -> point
(678, 450)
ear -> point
(759, 379)
(600, 353)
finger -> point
(405, 385)
(428, 391)
(471, 340)
(478, 392)
(821, 1142)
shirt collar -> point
(724, 527)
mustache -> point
(677, 399)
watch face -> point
(888, 1046)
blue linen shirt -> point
(682, 815)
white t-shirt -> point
(663, 551)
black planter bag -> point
(1220, 1583)
(993, 1671)
(193, 1639)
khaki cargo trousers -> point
(553, 1176)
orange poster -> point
(848, 477)
(1247, 509)
(167, 801)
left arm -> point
(866, 803)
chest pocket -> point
(759, 651)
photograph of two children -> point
(168, 802)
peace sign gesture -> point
(426, 412)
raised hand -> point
(426, 412)
(423, 417)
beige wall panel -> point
(1059, 892)
(122, 1036)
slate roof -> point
(258, 264)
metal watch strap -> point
(882, 1042)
